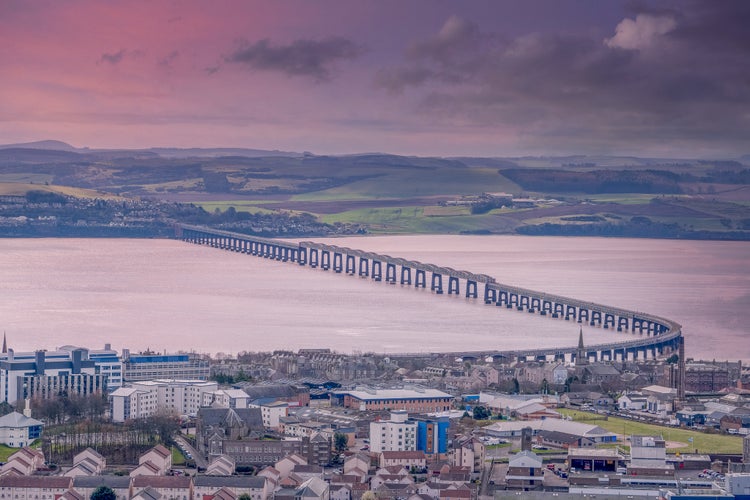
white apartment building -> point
(397, 434)
(143, 399)
(226, 398)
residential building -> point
(432, 435)
(525, 471)
(468, 452)
(17, 430)
(403, 458)
(145, 398)
(85, 485)
(271, 412)
(172, 487)
(253, 486)
(415, 400)
(155, 462)
(87, 463)
(150, 366)
(34, 487)
(24, 462)
(226, 398)
(397, 434)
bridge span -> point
(652, 336)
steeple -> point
(5, 344)
(581, 358)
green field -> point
(702, 442)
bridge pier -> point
(405, 275)
(351, 266)
(337, 262)
(390, 273)
(437, 283)
(420, 278)
(377, 270)
(490, 294)
(364, 267)
(453, 286)
(325, 260)
(471, 289)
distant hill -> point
(52, 145)
(48, 145)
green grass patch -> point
(240, 206)
(177, 457)
(702, 441)
(6, 451)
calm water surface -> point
(169, 295)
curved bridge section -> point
(652, 336)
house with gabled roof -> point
(257, 488)
(173, 487)
(312, 489)
(86, 485)
(17, 430)
(33, 487)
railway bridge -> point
(651, 336)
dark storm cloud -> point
(661, 73)
(112, 58)
(311, 58)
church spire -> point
(5, 343)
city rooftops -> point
(378, 394)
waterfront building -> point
(48, 374)
(397, 434)
(144, 399)
(150, 366)
(415, 400)
(107, 362)
(746, 449)
(17, 430)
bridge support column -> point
(351, 266)
(325, 260)
(437, 283)
(490, 294)
(609, 321)
(337, 262)
(471, 289)
(420, 278)
(302, 256)
(364, 267)
(390, 273)
(622, 323)
(377, 270)
(405, 275)
(453, 286)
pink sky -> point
(495, 77)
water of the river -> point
(170, 295)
